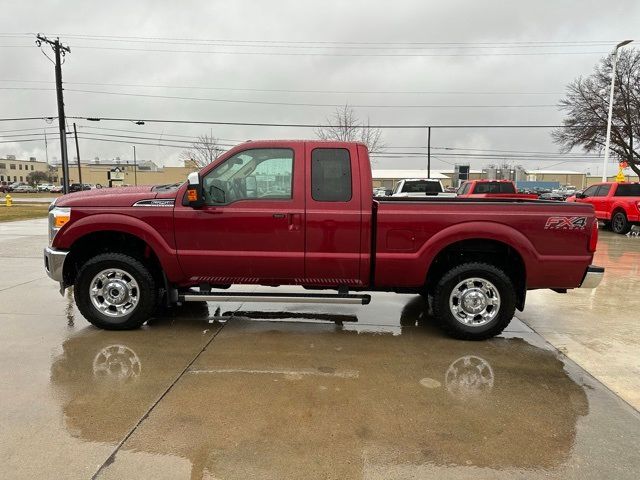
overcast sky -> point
(395, 62)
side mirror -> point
(194, 197)
(580, 195)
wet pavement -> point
(599, 329)
(237, 391)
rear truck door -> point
(251, 228)
(333, 215)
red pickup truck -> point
(301, 213)
(491, 188)
(616, 204)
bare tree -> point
(587, 104)
(202, 152)
(344, 125)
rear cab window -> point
(494, 187)
(421, 186)
(331, 175)
(628, 190)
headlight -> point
(58, 217)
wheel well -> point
(618, 209)
(109, 242)
(493, 252)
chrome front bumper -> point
(592, 277)
(54, 263)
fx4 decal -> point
(566, 223)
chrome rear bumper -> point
(592, 277)
(54, 263)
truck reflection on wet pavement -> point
(284, 399)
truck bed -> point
(412, 232)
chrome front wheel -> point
(114, 292)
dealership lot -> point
(300, 391)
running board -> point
(275, 297)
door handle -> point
(279, 215)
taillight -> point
(593, 240)
(638, 206)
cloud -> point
(465, 69)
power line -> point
(278, 90)
(333, 42)
(298, 104)
(333, 54)
(316, 125)
(20, 119)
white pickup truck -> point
(420, 187)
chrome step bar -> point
(275, 298)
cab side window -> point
(258, 174)
(603, 190)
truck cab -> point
(615, 204)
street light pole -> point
(135, 167)
(613, 83)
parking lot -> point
(235, 390)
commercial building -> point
(117, 174)
(14, 170)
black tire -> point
(147, 292)
(620, 224)
(446, 285)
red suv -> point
(616, 204)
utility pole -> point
(75, 134)
(428, 152)
(135, 167)
(59, 51)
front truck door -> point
(601, 202)
(333, 215)
(251, 228)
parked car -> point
(552, 196)
(56, 189)
(45, 187)
(616, 204)
(25, 189)
(565, 191)
(420, 187)
(77, 187)
(124, 250)
(491, 189)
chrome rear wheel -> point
(474, 301)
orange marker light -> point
(192, 195)
(60, 221)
